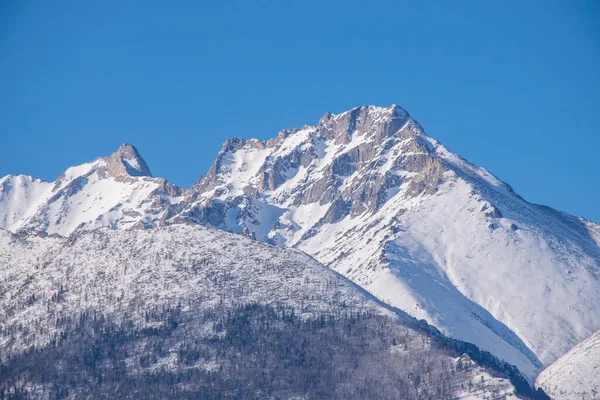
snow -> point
(469, 169)
(514, 282)
(294, 140)
(20, 196)
(576, 375)
(487, 387)
(504, 291)
(480, 383)
(294, 177)
(79, 170)
(116, 271)
(98, 198)
(243, 166)
(305, 216)
(126, 273)
(133, 162)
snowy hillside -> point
(110, 309)
(135, 270)
(116, 191)
(576, 375)
(481, 384)
(370, 195)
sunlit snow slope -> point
(576, 375)
(369, 194)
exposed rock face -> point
(356, 159)
(127, 161)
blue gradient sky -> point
(512, 86)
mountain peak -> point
(398, 111)
(127, 148)
(393, 110)
(379, 122)
(127, 160)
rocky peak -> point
(358, 141)
(378, 122)
(127, 161)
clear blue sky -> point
(513, 86)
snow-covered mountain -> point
(370, 195)
(576, 375)
(155, 295)
(116, 191)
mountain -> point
(116, 191)
(186, 311)
(575, 375)
(369, 194)
(366, 193)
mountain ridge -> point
(369, 194)
(377, 166)
(108, 191)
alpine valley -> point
(455, 285)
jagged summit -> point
(358, 120)
(128, 160)
(392, 110)
(123, 163)
(380, 121)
